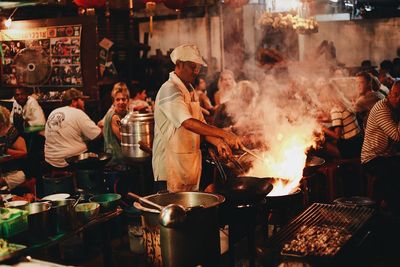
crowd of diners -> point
(190, 108)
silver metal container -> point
(39, 220)
(62, 215)
(195, 242)
(17, 204)
(136, 127)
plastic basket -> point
(15, 224)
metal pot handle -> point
(139, 206)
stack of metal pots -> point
(136, 127)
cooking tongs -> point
(219, 166)
(252, 153)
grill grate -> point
(334, 223)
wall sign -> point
(44, 56)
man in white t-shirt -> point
(68, 129)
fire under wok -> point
(238, 188)
(241, 162)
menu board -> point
(44, 56)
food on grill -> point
(324, 240)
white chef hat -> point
(187, 52)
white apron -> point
(183, 155)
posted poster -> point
(33, 50)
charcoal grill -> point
(347, 220)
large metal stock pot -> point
(195, 242)
(136, 127)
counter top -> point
(52, 240)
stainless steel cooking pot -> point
(195, 242)
(39, 220)
(135, 128)
(63, 217)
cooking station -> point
(263, 123)
(287, 230)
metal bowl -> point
(314, 161)
(18, 204)
(108, 202)
(87, 211)
(89, 160)
(312, 164)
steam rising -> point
(289, 99)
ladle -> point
(81, 196)
(170, 216)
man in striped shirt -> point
(378, 151)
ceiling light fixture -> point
(298, 19)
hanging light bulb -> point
(8, 21)
(131, 14)
(150, 7)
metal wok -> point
(240, 189)
(245, 189)
(89, 160)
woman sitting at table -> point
(15, 146)
(112, 123)
(345, 132)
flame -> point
(284, 160)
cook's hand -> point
(223, 149)
(233, 140)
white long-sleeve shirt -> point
(31, 112)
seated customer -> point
(200, 86)
(68, 129)
(138, 102)
(240, 105)
(26, 111)
(378, 154)
(112, 124)
(367, 97)
(345, 130)
(15, 146)
(226, 84)
(117, 85)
